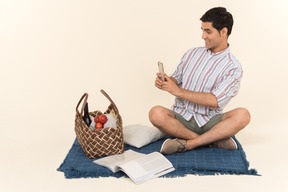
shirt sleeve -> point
(178, 73)
(228, 85)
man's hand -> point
(158, 81)
(171, 86)
(168, 85)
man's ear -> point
(224, 32)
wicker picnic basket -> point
(103, 142)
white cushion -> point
(141, 135)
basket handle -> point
(85, 97)
(109, 98)
(84, 103)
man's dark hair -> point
(220, 18)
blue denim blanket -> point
(200, 161)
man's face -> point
(214, 40)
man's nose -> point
(204, 36)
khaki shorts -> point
(192, 125)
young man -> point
(203, 83)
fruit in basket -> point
(98, 126)
(103, 118)
(96, 119)
(100, 119)
(103, 121)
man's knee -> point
(157, 114)
(243, 116)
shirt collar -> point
(223, 52)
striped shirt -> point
(202, 71)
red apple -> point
(96, 119)
(103, 118)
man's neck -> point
(220, 48)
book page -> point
(147, 167)
(112, 162)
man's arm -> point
(171, 86)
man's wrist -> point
(182, 93)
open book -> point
(139, 167)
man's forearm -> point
(206, 99)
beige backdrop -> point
(52, 51)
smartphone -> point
(161, 70)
